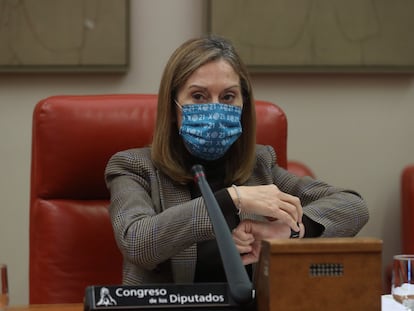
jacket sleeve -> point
(148, 229)
(342, 212)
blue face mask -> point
(209, 130)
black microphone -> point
(240, 286)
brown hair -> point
(168, 150)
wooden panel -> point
(320, 274)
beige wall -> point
(352, 130)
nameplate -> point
(214, 296)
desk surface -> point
(57, 307)
(388, 304)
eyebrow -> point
(206, 89)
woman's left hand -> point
(248, 236)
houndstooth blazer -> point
(157, 224)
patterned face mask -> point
(209, 130)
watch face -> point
(294, 234)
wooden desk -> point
(51, 307)
(387, 303)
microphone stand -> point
(240, 286)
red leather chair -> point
(407, 210)
(71, 238)
(299, 169)
(407, 219)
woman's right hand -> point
(268, 201)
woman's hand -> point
(245, 242)
(248, 236)
(268, 201)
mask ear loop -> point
(178, 104)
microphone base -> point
(196, 296)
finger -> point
(244, 249)
(291, 205)
(294, 203)
(248, 259)
(244, 227)
(243, 242)
(288, 219)
(243, 238)
(253, 256)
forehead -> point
(215, 72)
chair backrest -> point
(71, 238)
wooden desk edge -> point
(48, 307)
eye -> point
(199, 97)
(228, 98)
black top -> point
(209, 267)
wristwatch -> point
(294, 234)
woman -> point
(206, 115)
